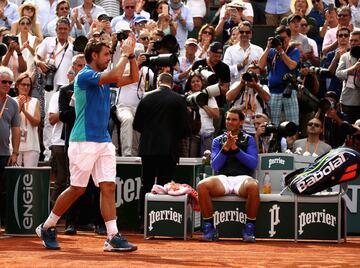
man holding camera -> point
(250, 96)
(349, 71)
(53, 58)
(281, 60)
(234, 158)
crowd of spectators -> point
(307, 73)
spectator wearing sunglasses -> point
(241, 55)
(312, 145)
(205, 37)
(129, 7)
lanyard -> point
(53, 54)
(3, 108)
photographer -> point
(281, 59)
(329, 113)
(266, 142)
(13, 58)
(250, 96)
(53, 59)
(349, 71)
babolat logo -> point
(24, 186)
(127, 190)
(315, 217)
(278, 160)
(164, 215)
(318, 175)
(229, 215)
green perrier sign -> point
(277, 162)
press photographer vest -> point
(232, 166)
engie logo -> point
(23, 191)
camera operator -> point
(53, 58)
(332, 58)
(332, 118)
(250, 96)
(349, 71)
(281, 59)
(213, 63)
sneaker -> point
(48, 237)
(70, 230)
(210, 234)
(118, 243)
(249, 233)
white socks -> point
(111, 228)
(51, 220)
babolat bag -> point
(339, 165)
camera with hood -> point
(209, 77)
(201, 98)
(285, 129)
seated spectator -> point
(9, 13)
(331, 21)
(205, 37)
(129, 13)
(165, 22)
(234, 158)
(29, 108)
(207, 113)
(313, 55)
(139, 25)
(28, 9)
(312, 145)
(249, 95)
(144, 38)
(234, 38)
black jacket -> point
(66, 112)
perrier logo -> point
(164, 215)
(277, 162)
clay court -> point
(85, 250)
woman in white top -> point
(205, 37)
(27, 41)
(29, 108)
(28, 9)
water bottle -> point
(267, 184)
(283, 184)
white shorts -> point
(91, 158)
(232, 184)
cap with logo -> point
(103, 16)
(139, 19)
(216, 47)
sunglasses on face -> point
(313, 124)
(207, 32)
(25, 23)
(29, 8)
(144, 38)
(6, 82)
(343, 15)
(244, 32)
(343, 35)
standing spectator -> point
(8, 13)
(63, 10)
(234, 38)
(158, 148)
(47, 12)
(87, 13)
(28, 9)
(355, 11)
(111, 7)
(293, 22)
(28, 42)
(205, 37)
(280, 61)
(9, 123)
(304, 29)
(241, 55)
(14, 58)
(276, 10)
(140, 9)
(29, 108)
(129, 13)
(181, 15)
(348, 70)
(318, 13)
(331, 21)
(198, 10)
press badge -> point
(23, 135)
(350, 82)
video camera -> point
(3, 49)
(154, 62)
(285, 129)
(201, 98)
(208, 76)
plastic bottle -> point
(267, 184)
(283, 184)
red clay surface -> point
(85, 250)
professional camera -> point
(276, 41)
(249, 76)
(347, 128)
(285, 129)
(3, 49)
(50, 75)
(320, 71)
(80, 43)
(201, 98)
(8, 37)
(355, 52)
(291, 84)
(326, 104)
(122, 35)
(209, 77)
(162, 60)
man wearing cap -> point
(185, 62)
(181, 14)
(214, 64)
(241, 55)
(139, 24)
(232, 17)
(128, 15)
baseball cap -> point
(293, 17)
(139, 19)
(191, 41)
(175, 5)
(103, 16)
(122, 26)
(216, 47)
(237, 4)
